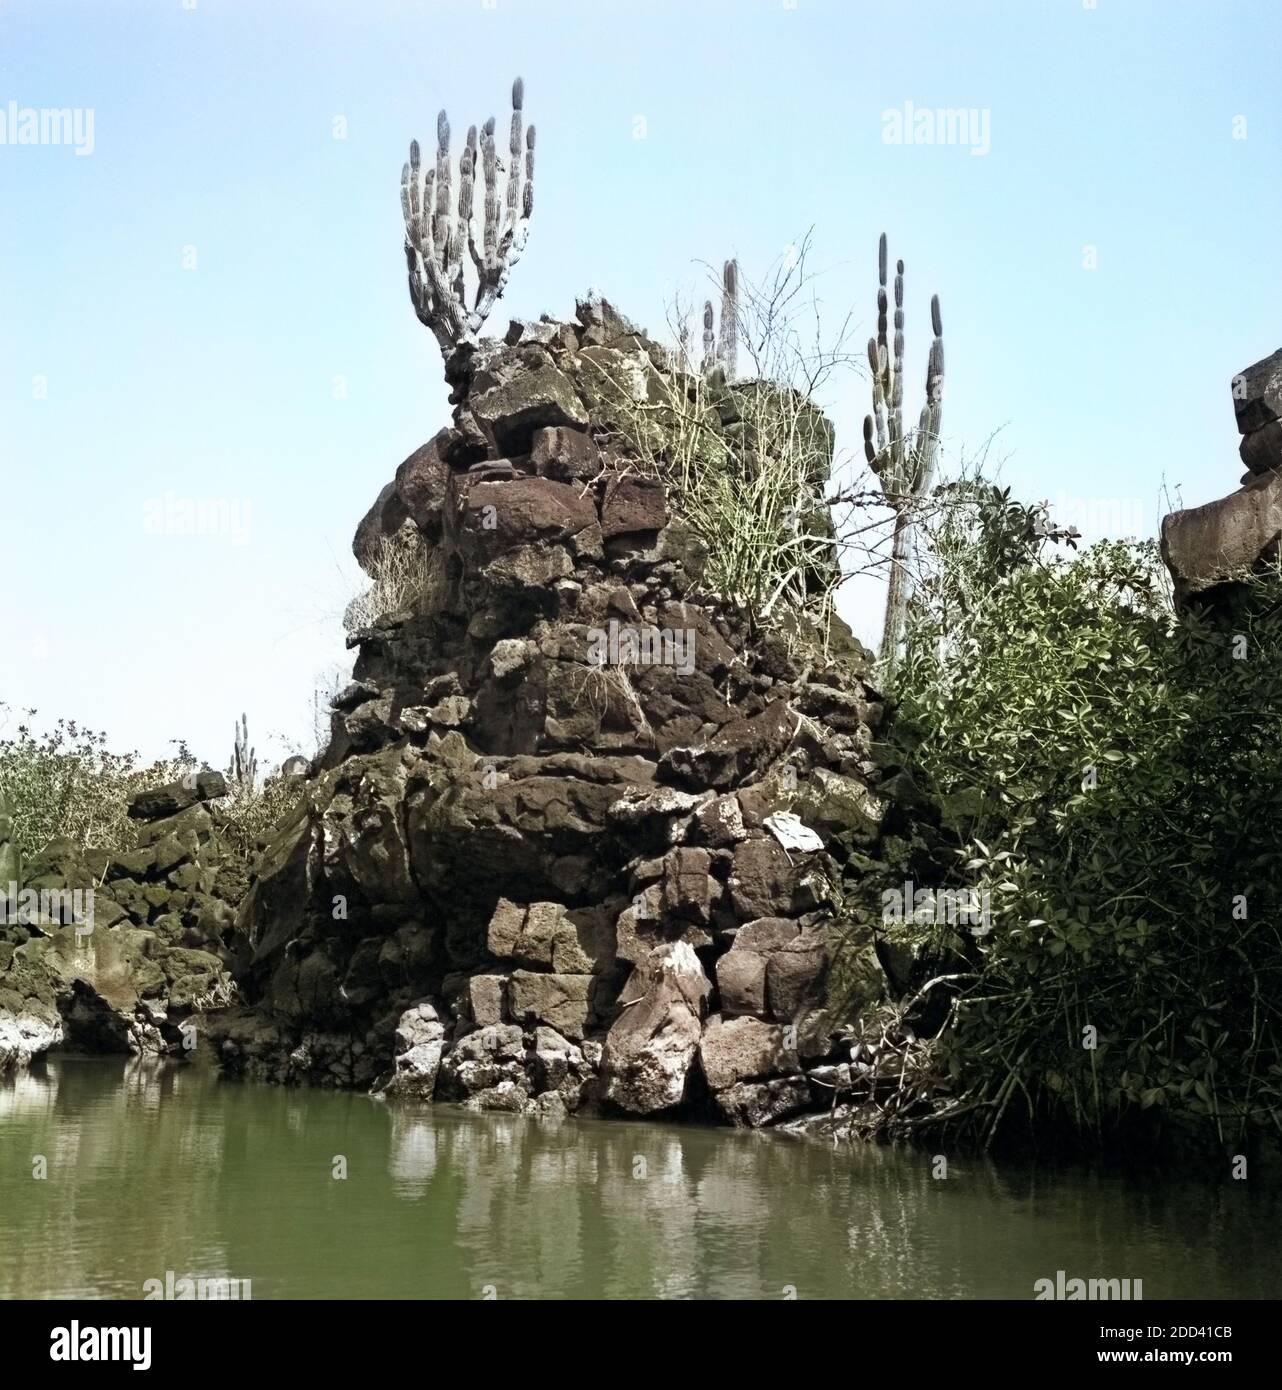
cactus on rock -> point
(904, 463)
(437, 234)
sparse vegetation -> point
(401, 573)
(751, 460)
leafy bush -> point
(1119, 765)
(67, 784)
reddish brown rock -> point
(632, 503)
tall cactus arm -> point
(462, 230)
(490, 172)
(932, 411)
(728, 342)
(878, 396)
(441, 234)
(507, 243)
(513, 197)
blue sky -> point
(212, 303)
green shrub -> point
(1121, 769)
(67, 784)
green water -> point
(159, 1168)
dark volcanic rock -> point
(158, 802)
(1257, 394)
(541, 829)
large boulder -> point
(743, 1049)
(651, 1046)
(157, 803)
(420, 1041)
(563, 1002)
(1257, 394)
(752, 1104)
(1214, 545)
(509, 405)
(422, 487)
(27, 1031)
(384, 520)
(1208, 549)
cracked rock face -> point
(533, 870)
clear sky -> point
(211, 304)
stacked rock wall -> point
(581, 832)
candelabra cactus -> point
(437, 235)
(242, 771)
(904, 463)
(722, 348)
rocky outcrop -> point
(1257, 404)
(121, 953)
(1209, 548)
(542, 864)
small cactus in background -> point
(437, 234)
(242, 771)
(904, 463)
(709, 340)
(721, 348)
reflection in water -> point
(153, 1167)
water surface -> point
(155, 1167)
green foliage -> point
(67, 784)
(1127, 764)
